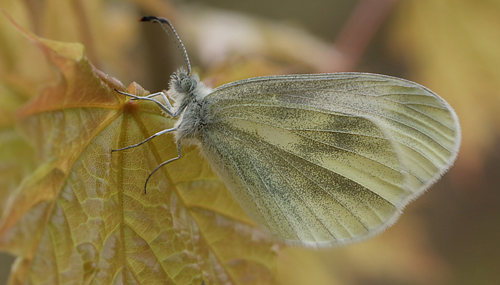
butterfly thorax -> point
(189, 93)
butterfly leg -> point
(167, 109)
(146, 140)
(162, 164)
(167, 102)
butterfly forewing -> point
(321, 159)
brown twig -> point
(359, 30)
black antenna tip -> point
(147, 19)
(155, 19)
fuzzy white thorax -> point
(188, 93)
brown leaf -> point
(82, 216)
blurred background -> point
(450, 235)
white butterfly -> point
(317, 159)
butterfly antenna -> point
(176, 39)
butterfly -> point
(316, 159)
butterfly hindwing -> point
(320, 159)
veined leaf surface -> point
(82, 216)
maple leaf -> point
(82, 216)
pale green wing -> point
(331, 158)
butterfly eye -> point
(187, 84)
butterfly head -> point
(184, 85)
(183, 82)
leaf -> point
(22, 70)
(82, 216)
(16, 155)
